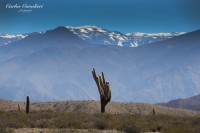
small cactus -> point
(27, 104)
(154, 112)
(104, 90)
(19, 109)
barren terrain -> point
(94, 107)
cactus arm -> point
(101, 91)
(94, 75)
(104, 81)
(97, 81)
(108, 90)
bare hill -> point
(94, 107)
(192, 103)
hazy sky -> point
(119, 15)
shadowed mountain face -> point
(59, 37)
(57, 65)
(192, 103)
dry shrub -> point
(123, 122)
(129, 125)
(101, 124)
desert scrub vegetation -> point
(122, 122)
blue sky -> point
(148, 16)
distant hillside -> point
(94, 107)
(192, 103)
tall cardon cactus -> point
(104, 90)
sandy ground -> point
(36, 130)
(45, 130)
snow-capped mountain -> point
(8, 38)
(57, 65)
(97, 35)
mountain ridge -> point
(98, 35)
(56, 68)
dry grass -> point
(120, 122)
(127, 117)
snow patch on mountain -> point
(12, 36)
(98, 35)
(139, 34)
(6, 39)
